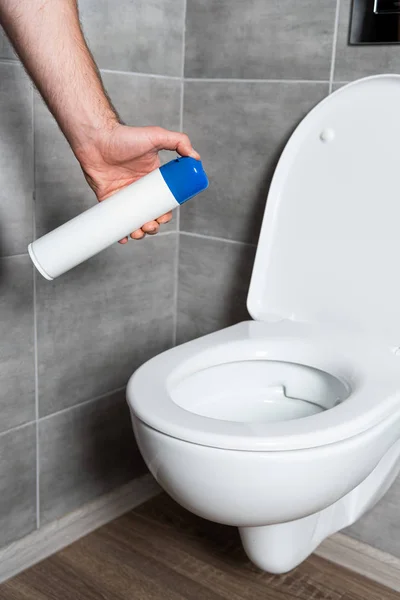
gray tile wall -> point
(259, 40)
(213, 281)
(86, 452)
(68, 347)
(252, 70)
(251, 73)
(240, 129)
(144, 36)
(17, 482)
(6, 49)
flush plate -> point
(387, 7)
(375, 22)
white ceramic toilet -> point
(288, 426)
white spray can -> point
(112, 219)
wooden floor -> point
(161, 552)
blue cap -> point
(185, 177)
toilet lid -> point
(330, 241)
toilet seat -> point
(325, 272)
(368, 366)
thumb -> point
(174, 140)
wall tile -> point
(16, 160)
(17, 483)
(240, 129)
(6, 49)
(17, 379)
(380, 528)
(61, 189)
(145, 100)
(100, 321)
(84, 453)
(143, 36)
(259, 40)
(214, 278)
(353, 62)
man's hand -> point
(122, 154)
(49, 40)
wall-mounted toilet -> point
(288, 426)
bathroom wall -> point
(68, 347)
(252, 71)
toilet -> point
(287, 426)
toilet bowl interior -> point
(258, 391)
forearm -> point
(48, 38)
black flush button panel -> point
(387, 7)
(375, 22)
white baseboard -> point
(363, 559)
(51, 538)
(38, 545)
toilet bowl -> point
(288, 426)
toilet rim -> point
(368, 365)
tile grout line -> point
(334, 46)
(15, 61)
(175, 296)
(14, 255)
(138, 74)
(216, 239)
(178, 224)
(161, 233)
(227, 80)
(25, 254)
(17, 428)
(62, 410)
(183, 50)
(10, 61)
(178, 216)
(83, 403)
(35, 329)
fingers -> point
(150, 228)
(138, 234)
(174, 140)
(165, 218)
